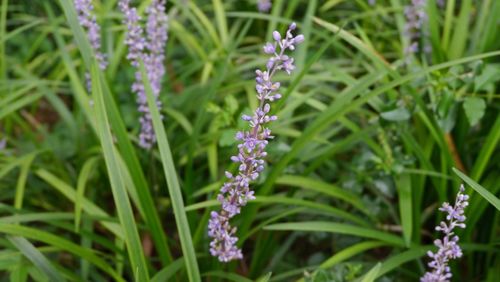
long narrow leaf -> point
(480, 189)
(174, 188)
(121, 199)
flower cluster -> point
(264, 5)
(448, 247)
(150, 49)
(235, 193)
(87, 19)
(416, 20)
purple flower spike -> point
(415, 28)
(151, 49)
(235, 193)
(87, 19)
(264, 5)
(448, 247)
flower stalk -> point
(448, 247)
(150, 49)
(236, 192)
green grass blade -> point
(339, 228)
(397, 260)
(480, 189)
(120, 196)
(487, 149)
(88, 206)
(21, 182)
(322, 187)
(145, 200)
(220, 17)
(461, 32)
(350, 252)
(3, 32)
(265, 277)
(56, 241)
(169, 271)
(403, 183)
(448, 20)
(227, 276)
(372, 274)
(36, 257)
(174, 188)
(83, 177)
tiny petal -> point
(269, 48)
(298, 39)
(276, 35)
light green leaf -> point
(399, 114)
(474, 108)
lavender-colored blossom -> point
(3, 143)
(264, 5)
(235, 193)
(448, 247)
(150, 49)
(415, 28)
(372, 2)
(87, 19)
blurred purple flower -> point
(151, 49)
(3, 143)
(264, 5)
(87, 19)
(372, 2)
(448, 247)
(235, 193)
(415, 27)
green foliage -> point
(364, 150)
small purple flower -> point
(3, 143)
(372, 2)
(235, 193)
(448, 247)
(87, 19)
(151, 50)
(415, 27)
(264, 5)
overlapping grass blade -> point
(339, 228)
(405, 205)
(169, 271)
(59, 242)
(21, 182)
(36, 257)
(372, 274)
(480, 189)
(83, 177)
(174, 188)
(126, 149)
(88, 206)
(322, 187)
(121, 199)
(349, 252)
